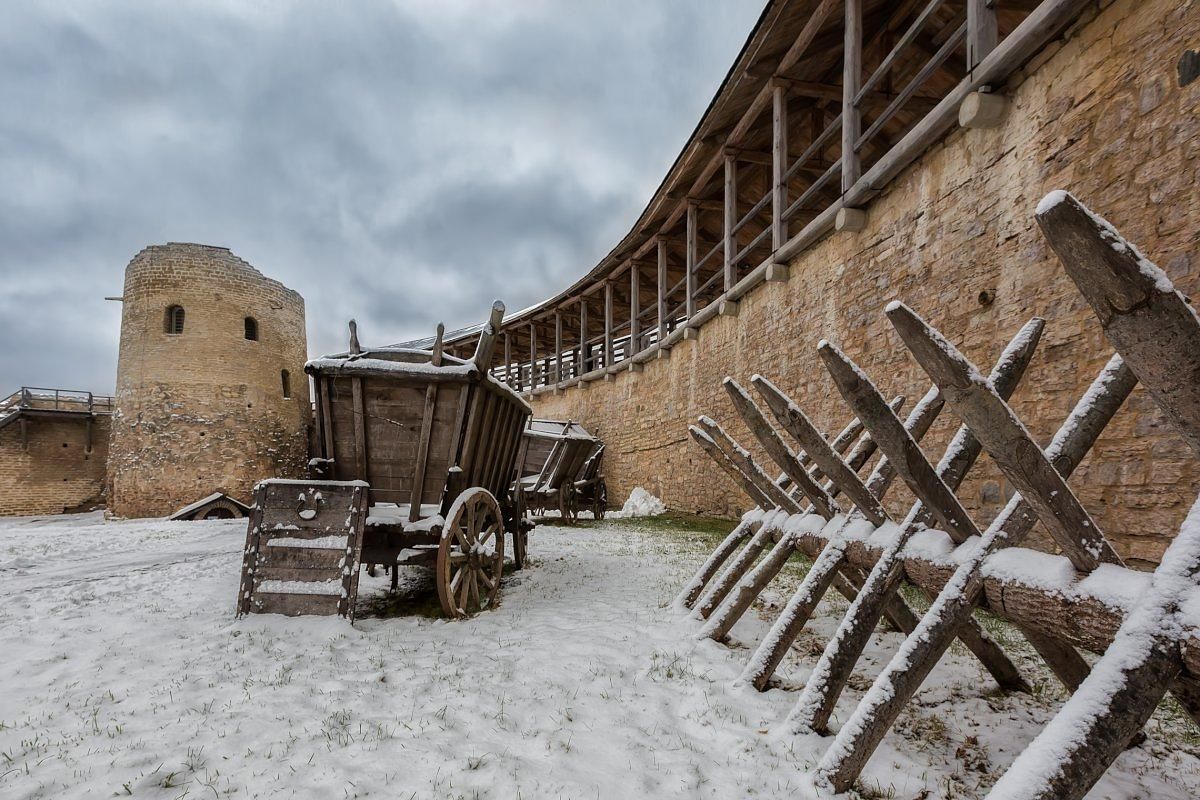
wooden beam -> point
(731, 218)
(851, 80)
(690, 260)
(608, 324)
(737, 537)
(558, 346)
(662, 289)
(779, 165)
(1143, 316)
(982, 31)
(635, 294)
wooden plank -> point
(584, 347)
(635, 293)
(1144, 317)
(861, 734)
(733, 573)
(422, 461)
(997, 427)
(779, 452)
(558, 346)
(360, 432)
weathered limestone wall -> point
(1101, 115)
(51, 468)
(204, 410)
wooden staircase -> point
(303, 548)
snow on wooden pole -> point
(1099, 720)
(709, 446)
(692, 589)
(745, 462)
(842, 652)
(1010, 445)
(1144, 317)
(893, 688)
(779, 452)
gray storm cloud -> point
(403, 162)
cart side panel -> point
(394, 413)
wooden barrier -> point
(861, 551)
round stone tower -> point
(211, 390)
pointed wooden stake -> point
(995, 424)
(895, 686)
(749, 467)
(842, 652)
(1143, 316)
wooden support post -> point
(908, 668)
(779, 165)
(584, 347)
(507, 359)
(558, 347)
(851, 82)
(1143, 316)
(608, 324)
(533, 359)
(995, 425)
(635, 293)
(709, 446)
(731, 219)
(693, 233)
(982, 31)
(661, 248)
(746, 463)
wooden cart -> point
(560, 466)
(421, 451)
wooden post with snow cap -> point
(746, 463)
(954, 605)
(692, 589)
(706, 442)
(1144, 317)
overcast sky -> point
(400, 162)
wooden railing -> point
(815, 192)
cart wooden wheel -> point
(599, 499)
(566, 504)
(470, 558)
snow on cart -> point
(421, 451)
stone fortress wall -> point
(1102, 115)
(53, 466)
(205, 409)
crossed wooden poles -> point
(821, 506)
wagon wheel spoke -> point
(488, 582)
(470, 561)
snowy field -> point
(125, 674)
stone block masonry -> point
(1101, 114)
(218, 405)
(50, 468)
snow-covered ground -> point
(123, 672)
